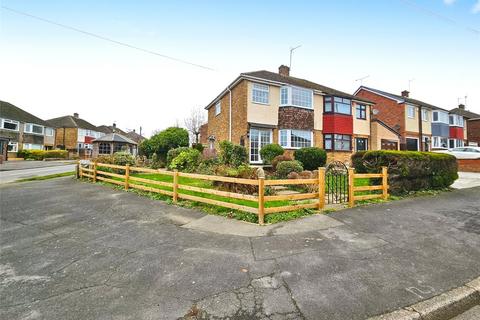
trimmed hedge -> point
(42, 154)
(284, 168)
(311, 158)
(270, 151)
(409, 170)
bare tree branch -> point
(194, 121)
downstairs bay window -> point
(338, 142)
(295, 139)
(440, 142)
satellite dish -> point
(375, 111)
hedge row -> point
(409, 170)
(42, 154)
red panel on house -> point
(456, 133)
(337, 123)
(89, 139)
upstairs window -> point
(424, 114)
(218, 108)
(411, 112)
(9, 124)
(361, 112)
(33, 128)
(338, 105)
(49, 132)
(296, 97)
(440, 116)
(260, 93)
(456, 120)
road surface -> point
(13, 175)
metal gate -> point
(336, 183)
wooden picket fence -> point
(316, 199)
(352, 188)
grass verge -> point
(47, 177)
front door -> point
(412, 144)
(258, 139)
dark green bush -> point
(123, 158)
(187, 161)
(198, 146)
(42, 154)
(409, 170)
(163, 141)
(311, 158)
(243, 171)
(286, 167)
(232, 154)
(173, 153)
(270, 151)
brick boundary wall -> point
(469, 165)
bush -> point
(42, 154)
(409, 170)
(243, 171)
(284, 168)
(163, 141)
(173, 153)
(270, 151)
(123, 159)
(279, 159)
(311, 158)
(186, 161)
(198, 146)
(232, 154)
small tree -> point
(167, 139)
(194, 121)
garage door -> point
(389, 144)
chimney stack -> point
(405, 93)
(284, 71)
(461, 106)
(75, 115)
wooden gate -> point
(336, 183)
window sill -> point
(337, 113)
(261, 103)
(349, 151)
(294, 106)
(9, 129)
(36, 134)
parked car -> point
(463, 152)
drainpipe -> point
(420, 128)
(229, 114)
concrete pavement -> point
(10, 171)
(73, 250)
(28, 164)
(467, 180)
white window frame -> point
(28, 128)
(218, 108)
(260, 160)
(289, 102)
(425, 115)
(411, 112)
(457, 120)
(28, 146)
(440, 114)
(289, 138)
(15, 146)
(437, 142)
(10, 121)
(49, 135)
(263, 88)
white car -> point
(463, 152)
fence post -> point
(351, 184)
(127, 176)
(77, 170)
(384, 183)
(175, 185)
(261, 200)
(321, 188)
(95, 171)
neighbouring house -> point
(75, 135)
(113, 142)
(111, 129)
(21, 130)
(471, 123)
(262, 107)
(383, 136)
(133, 135)
(421, 126)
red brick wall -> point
(469, 165)
(337, 123)
(390, 112)
(456, 133)
(295, 118)
(473, 131)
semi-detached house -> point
(262, 107)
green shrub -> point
(243, 171)
(163, 141)
(232, 154)
(409, 170)
(311, 158)
(198, 146)
(123, 158)
(173, 153)
(108, 159)
(186, 161)
(279, 159)
(42, 154)
(286, 167)
(270, 151)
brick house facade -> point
(473, 131)
(263, 107)
(471, 122)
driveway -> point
(14, 170)
(74, 250)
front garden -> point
(286, 188)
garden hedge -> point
(311, 158)
(409, 170)
(42, 154)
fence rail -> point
(352, 188)
(176, 190)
